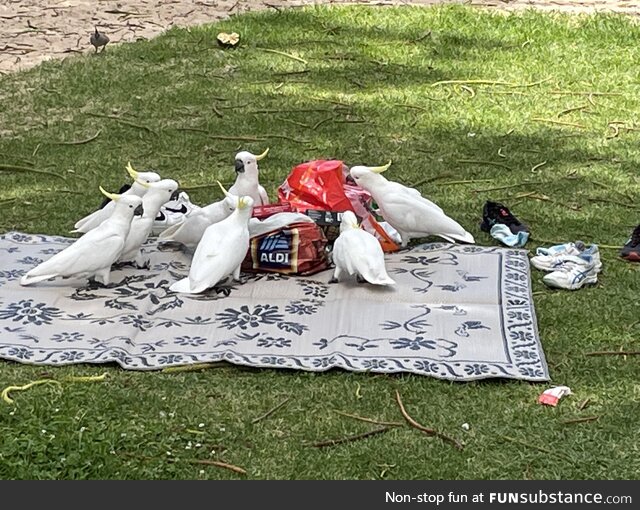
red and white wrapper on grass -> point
(551, 396)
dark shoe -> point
(631, 250)
(495, 212)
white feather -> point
(191, 229)
(357, 252)
(220, 252)
(93, 253)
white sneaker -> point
(172, 212)
(548, 259)
(574, 272)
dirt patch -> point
(32, 31)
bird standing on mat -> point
(137, 188)
(158, 194)
(247, 181)
(98, 39)
(220, 251)
(92, 254)
(191, 229)
(406, 210)
(357, 252)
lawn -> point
(362, 85)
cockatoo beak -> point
(132, 172)
(110, 196)
(226, 193)
(261, 156)
(379, 169)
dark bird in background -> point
(98, 39)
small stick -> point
(581, 420)
(238, 138)
(469, 90)
(535, 447)
(285, 137)
(123, 121)
(507, 187)
(282, 53)
(539, 165)
(348, 439)
(290, 73)
(216, 111)
(217, 463)
(370, 420)
(426, 430)
(482, 162)
(271, 411)
(431, 179)
(588, 93)
(560, 122)
(320, 122)
(5, 393)
(613, 353)
(500, 153)
(467, 181)
(569, 110)
(192, 368)
(14, 168)
(35, 151)
(584, 404)
(80, 142)
(605, 200)
(196, 130)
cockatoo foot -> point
(333, 280)
(360, 279)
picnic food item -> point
(228, 40)
(95, 218)
(92, 254)
(357, 252)
(157, 194)
(286, 243)
(220, 251)
(631, 250)
(321, 185)
(406, 210)
(247, 178)
(552, 396)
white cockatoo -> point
(406, 210)
(247, 182)
(95, 218)
(158, 194)
(357, 252)
(191, 229)
(220, 252)
(92, 254)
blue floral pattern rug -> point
(457, 312)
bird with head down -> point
(357, 252)
(137, 188)
(247, 181)
(221, 250)
(92, 254)
(405, 209)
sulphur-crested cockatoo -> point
(406, 210)
(191, 229)
(95, 218)
(158, 194)
(220, 252)
(93, 254)
(247, 181)
(357, 252)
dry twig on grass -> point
(349, 439)
(431, 432)
(271, 411)
(370, 420)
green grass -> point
(361, 64)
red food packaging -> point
(296, 249)
(264, 211)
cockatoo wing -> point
(220, 251)
(94, 219)
(141, 227)
(417, 219)
(413, 193)
(361, 253)
(95, 250)
(264, 198)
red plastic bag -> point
(321, 185)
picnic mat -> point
(457, 312)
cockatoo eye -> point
(130, 207)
